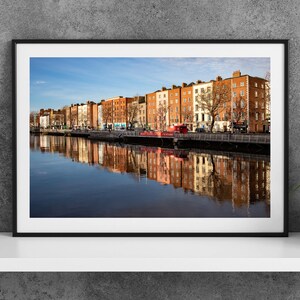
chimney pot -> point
(236, 73)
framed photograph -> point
(150, 137)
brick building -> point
(151, 110)
(74, 115)
(67, 112)
(249, 94)
(187, 105)
(92, 114)
(107, 113)
(174, 105)
(120, 110)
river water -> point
(77, 177)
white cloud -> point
(40, 82)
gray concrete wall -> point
(153, 286)
(112, 19)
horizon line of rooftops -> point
(141, 99)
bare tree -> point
(161, 116)
(218, 184)
(239, 110)
(107, 114)
(212, 102)
(132, 113)
(187, 116)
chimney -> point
(218, 78)
(183, 84)
(198, 81)
(174, 86)
(163, 88)
(236, 73)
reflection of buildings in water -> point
(100, 153)
(259, 182)
(188, 173)
(202, 169)
(242, 180)
(163, 167)
(152, 165)
(44, 143)
(176, 171)
(83, 150)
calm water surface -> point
(76, 177)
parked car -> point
(200, 129)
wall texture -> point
(112, 19)
(175, 286)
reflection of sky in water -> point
(118, 183)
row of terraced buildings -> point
(243, 102)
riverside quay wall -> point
(257, 143)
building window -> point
(190, 108)
(196, 91)
(234, 85)
(256, 104)
(189, 92)
(159, 96)
(242, 83)
(255, 94)
(262, 86)
(255, 84)
(263, 105)
(242, 104)
(202, 117)
(184, 93)
(262, 116)
(176, 94)
(256, 116)
(197, 107)
(224, 104)
(202, 90)
(164, 95)
(234, 94)
(176, 100)
(189, 99)
(184, 109)
(242, 93)
(184, 100)
(234, 104)
(171, 95)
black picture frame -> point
(15, 148)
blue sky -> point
(55, 82)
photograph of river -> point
(77, 177)
(190, 138)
